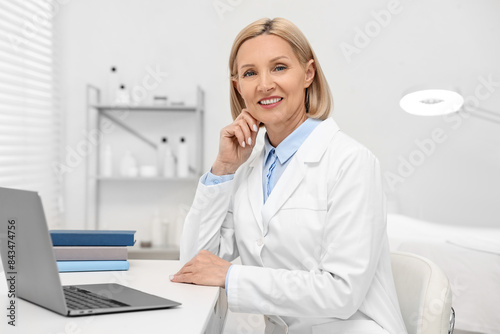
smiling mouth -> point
(270, 101)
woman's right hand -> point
(237, 141)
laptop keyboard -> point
(79, 299)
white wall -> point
(446, 42)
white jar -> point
(182, 158)
(168, 161)
(113, 85)
(122, 96)
(128, 165)
(148, 171)
(107, 162)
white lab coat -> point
(315, 256)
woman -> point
(305, 214)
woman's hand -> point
(237, 141)
(204, 269)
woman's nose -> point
(266, 83)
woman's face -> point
(272, 81)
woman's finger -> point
(240, 136)
(184, 272)
(253, 124)
(249, 126)
(181, 278)
(188, 267)
(245, 129)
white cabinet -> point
(109, 197)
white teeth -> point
(270, 101)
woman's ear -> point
(236, 85)
(310, 73)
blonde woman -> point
(306, 213)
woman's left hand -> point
(204, 269)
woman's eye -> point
(248, 73)
(280, 68)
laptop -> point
(28, 256)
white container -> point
(148, 171)
(122, 96)
(157, 231)
(113, 85)
(172, 233)
(128, 165)
(160, 154)
(168, 163)
(182, 158)
(107, 162)
(166, 226)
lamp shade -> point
(431, 102)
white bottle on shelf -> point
(128, 165)
(113, 85)
(168, 168)
(122, 96)
(158, 237)
(166, 226)
(107, 162)
(182, 158)
(160, 152)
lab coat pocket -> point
(305, 202)
(301, 221)
(349, 327)
(272, 327)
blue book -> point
(71, 266)
(92, 238)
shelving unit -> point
(145, 179)
(96, 112)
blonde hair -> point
(318, 98)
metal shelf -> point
(97, 111)
(180, 108)
(146, 179)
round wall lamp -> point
(431, 102)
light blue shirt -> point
(275, 162)
(278, 158)
(210, 179)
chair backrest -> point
(424, 294)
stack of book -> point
(91, 250)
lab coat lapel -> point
(286, 185)
(254, 187)
(310, 151)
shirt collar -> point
(287, 148)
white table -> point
(203, 308)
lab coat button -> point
(260, 242)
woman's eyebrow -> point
(271, 61)
(277, 58)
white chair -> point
(424, 294)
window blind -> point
(30, 120)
